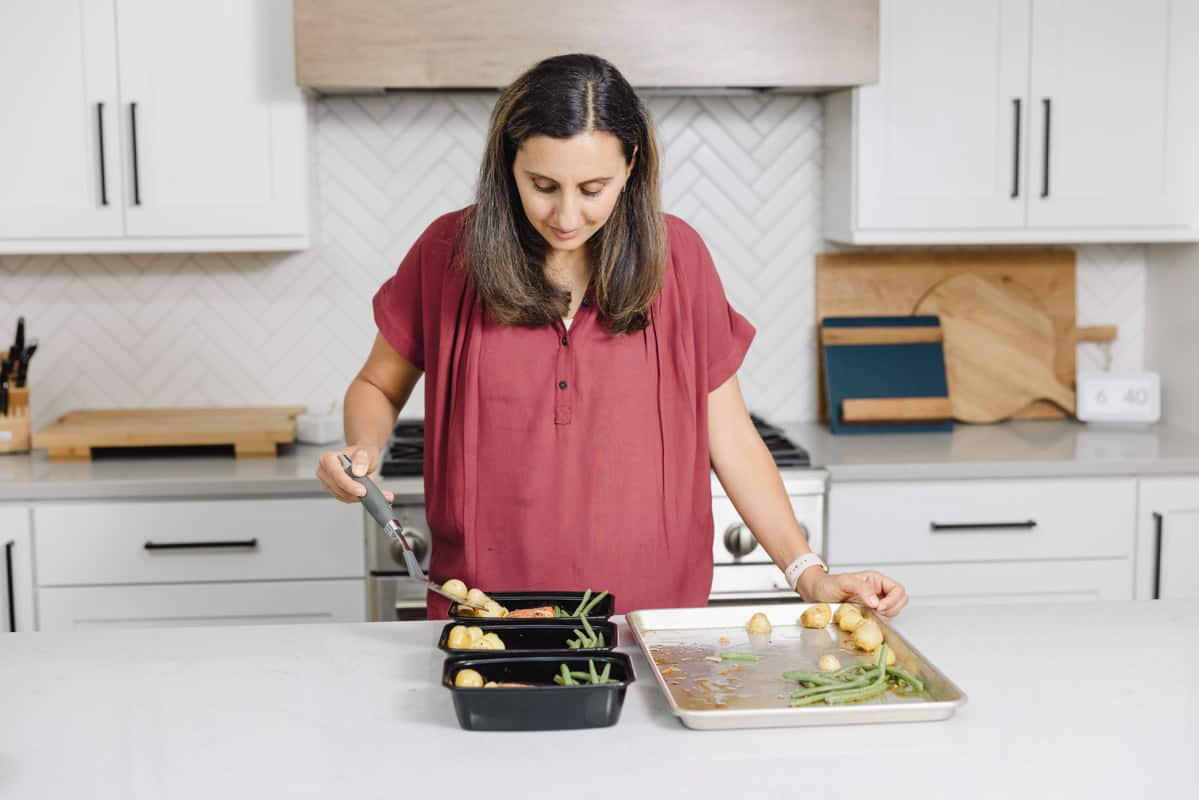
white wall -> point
(236, 328)
(1172, 335)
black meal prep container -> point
(537, 637)
(512, 601)
(544, 707)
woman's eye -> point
(544, 189)
(586, 193)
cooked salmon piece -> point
(541, 612)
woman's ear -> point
(632, 163)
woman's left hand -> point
(870, 588)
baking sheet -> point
(743, 694)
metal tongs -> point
(378, 507)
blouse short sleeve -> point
(398, 308)
(728, 334)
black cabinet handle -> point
(100, 138)
(137, 195)
(1016, 151)
(1027, 524)
(247, 543)
(12, 594)
(1046, 104)
(1157, 557)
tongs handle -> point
(376, 504)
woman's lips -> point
(561, 234)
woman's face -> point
(568, 187)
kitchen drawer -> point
(205, 540)
(899, 522)
(1010, 582)
(75, 608)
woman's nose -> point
(567, 214)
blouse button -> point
(564, 341)
(587, 301)
(562, 384)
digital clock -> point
(1119, 397)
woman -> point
(580, 365)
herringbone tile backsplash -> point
(237, 328)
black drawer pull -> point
(1016, 150)
(1157, 555)
(247, 543)
(1028, 524)
(100, 136)
(137, 184)
(1047, 105)
(12, 594)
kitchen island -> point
(1064, 701)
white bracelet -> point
(800, 565)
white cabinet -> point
(1020, 121)
(130, 542)
(16, 570)
(58, 141)
(132, 125)
(1168, 538)
(199, 562)
(990, 541)
(193, 604)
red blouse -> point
(565, 459)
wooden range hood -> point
(793, 45)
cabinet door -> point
(1108, 117)
(940, 134)
(1177, 561)
(195, 604)
(59, 174)
(1167, 550)
(16, 570)
(214, 123)
(1062, 581)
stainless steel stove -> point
(743, 569)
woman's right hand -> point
(365, 461)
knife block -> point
(14, 426)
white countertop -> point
(1004, 450)
(1015, 449)
(1090, 701)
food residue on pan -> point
(731, 670)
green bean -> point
(740, 657)
(607, 671)
(572, 644)
(582, 603)
(558, 680)
(590, 631)
(567, 680)
(591, 669)
(810, 677)
(907, 678)
(594, 602)
(601, 640)
(873, 690)
(856, 684)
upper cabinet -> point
(359, 45)
(134, 125)
(1008, 121)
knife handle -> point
(376, 504)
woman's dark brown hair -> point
(502, 251)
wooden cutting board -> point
(253, 431)
(862, 283)
(999, 347)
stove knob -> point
(416, 540)
(738, 540)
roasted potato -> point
(816, 616)
(468, 678)
(828, 663)
(759, 623)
